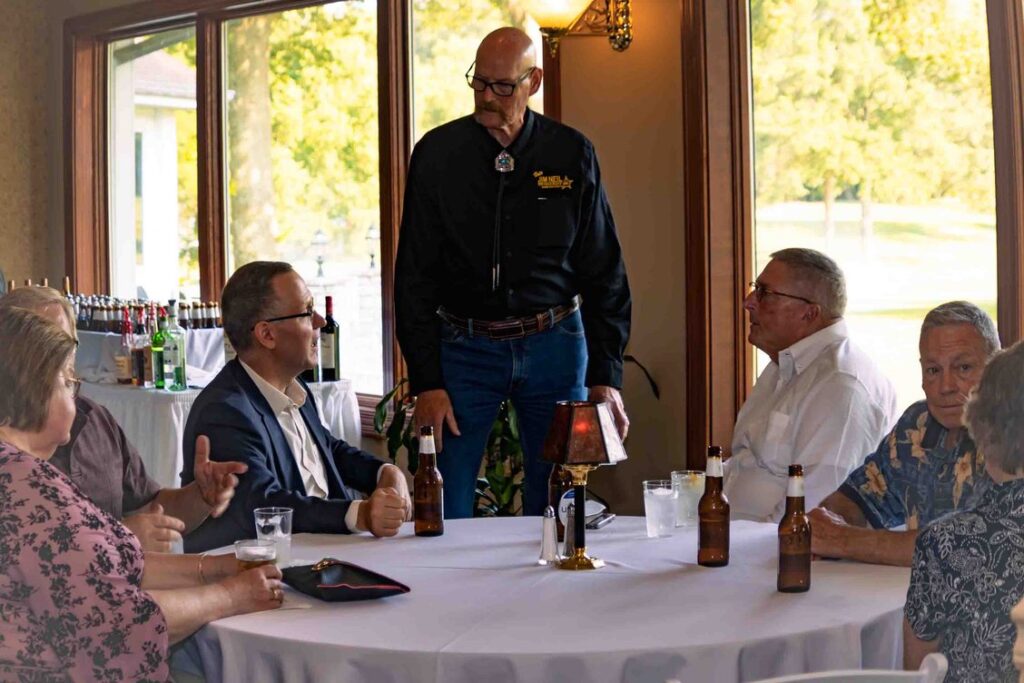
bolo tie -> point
(503, 163)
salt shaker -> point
(569, 548)
(549, 538)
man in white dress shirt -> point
(821, 402)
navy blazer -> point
(241, 426)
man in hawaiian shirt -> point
(927, 465)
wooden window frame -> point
(87, 223)
(708, 419)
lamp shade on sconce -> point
(556, 14)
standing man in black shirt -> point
(506, 228)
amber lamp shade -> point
(582, 436)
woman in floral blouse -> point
(968, 568)
(78, 599)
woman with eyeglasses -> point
(79, 598)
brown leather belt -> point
(511, 328)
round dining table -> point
(480, 608)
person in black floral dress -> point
(78, 598)
(968, 567)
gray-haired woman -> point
(968, 568)
(80, 599)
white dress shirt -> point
(824, 405)
(304, 449)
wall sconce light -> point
(559, 18)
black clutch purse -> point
(336, 581)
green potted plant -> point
(497, 491)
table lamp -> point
(582, 437)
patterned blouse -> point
(913, 478)
(71, 606)
(967, 574)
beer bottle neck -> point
(713, 469)
(427, 461)
(794, 505)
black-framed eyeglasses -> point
(761, 291)
(499, 88)
(308, 313)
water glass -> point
(253, 552)
(689, 486)
(275, 524)
(659, 507)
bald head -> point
(508, 45)
(506, 56)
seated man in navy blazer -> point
(257, 411)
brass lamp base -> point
(580, 560)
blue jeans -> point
(534, 372)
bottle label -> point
(327, 344)
(795, 489)
(171, 353)
(714, 467)
(427, 446)
(124, 367)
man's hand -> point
(156, 531)
(383, 512)
(829, 533)
(216, 480)
(393, 477)
(613, 398)
(433, 408)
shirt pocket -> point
(555, 220)
(777, 452)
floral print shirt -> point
(71, 606)
(967, 574)
(912, 478)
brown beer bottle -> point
(713, 512)
(559, 482)
(428, 489)
(795, 538)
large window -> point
(152, 151)
(873, 142)
(302, 178)
(212, 133)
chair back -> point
(932, 670)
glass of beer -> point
(254, 552)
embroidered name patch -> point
(552, 182)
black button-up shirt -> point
(490, 245)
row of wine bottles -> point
(152, 357)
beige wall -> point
(24, 171)
(630, 105)
(31, 155)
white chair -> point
(933, 670)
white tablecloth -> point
(94, 360)
(481, 610)
(154, 420)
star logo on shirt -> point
(552, 182)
